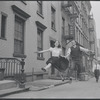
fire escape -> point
(91, 31)
(68, 8)
(91, 40)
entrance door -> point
(52, 45)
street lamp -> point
(22, 83)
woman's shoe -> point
(62, 78)
(43, 69)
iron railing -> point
(12, 66)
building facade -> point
(29, 26)
(80, 27)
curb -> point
(29, 88)
(14, 92)
(50, 86)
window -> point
(19, 36)
(24, 2)
(76, 34)
(40, 30)
(69, 29)
(79, 37)
(52, 18)
(39, 3)
(3, 25)
(82, 39)
(63, 50)
(20, 18)
(77, 20)
(52, 42)
(63, 26)
(40, 42)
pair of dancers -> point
(60, 62)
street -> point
(77, 89)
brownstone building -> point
(28, 26)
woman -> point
(57, 60)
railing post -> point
(32, 74)
(22, 83)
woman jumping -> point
(57, 60)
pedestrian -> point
(57, 60)
(97, 72)
(74, 54)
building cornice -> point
(20, 12)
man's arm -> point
(68, 53)
(84, 49)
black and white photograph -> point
(49, 49)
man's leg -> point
(96, 79)
(71, 69)
(79, 65)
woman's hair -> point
(59, 46)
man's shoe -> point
(43, 69)
(70, 80)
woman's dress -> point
(60, 63)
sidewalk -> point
(36, 85)
(46, 84)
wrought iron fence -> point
(12, 66)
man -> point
(97, 72)
(74, 53)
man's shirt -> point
(81, 48)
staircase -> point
(11, 72)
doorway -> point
(52, 45)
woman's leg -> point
(46, 67)
(61, 75)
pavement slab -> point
(10, 91)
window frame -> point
(40, 7)
(5, 26)
(40, 27)
(53, 18)
(19, 54)
(24, 2)
(23, 15)
(63, 25)
(40, 33)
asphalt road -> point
(77, 89)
